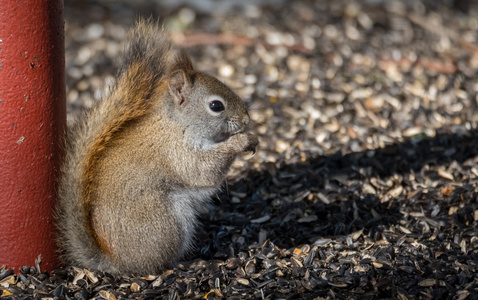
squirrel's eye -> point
(216, 106)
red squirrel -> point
(143, 161)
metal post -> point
(32, 128)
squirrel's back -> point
(143, 67)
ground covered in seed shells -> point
(365, 182)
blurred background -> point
(332, 70)
(321, 76)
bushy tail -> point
(143, 68)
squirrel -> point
(143, 162)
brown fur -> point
(145, 159)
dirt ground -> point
(364, 185)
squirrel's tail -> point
(143, 68)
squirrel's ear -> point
(181, 60)
(180, 86)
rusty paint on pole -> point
(32, 126)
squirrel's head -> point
(208, 110)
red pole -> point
(32, 127)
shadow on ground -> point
(285, 197)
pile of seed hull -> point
(365, 182)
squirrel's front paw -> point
(251, 151)
(245, 142)
(252, 143)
